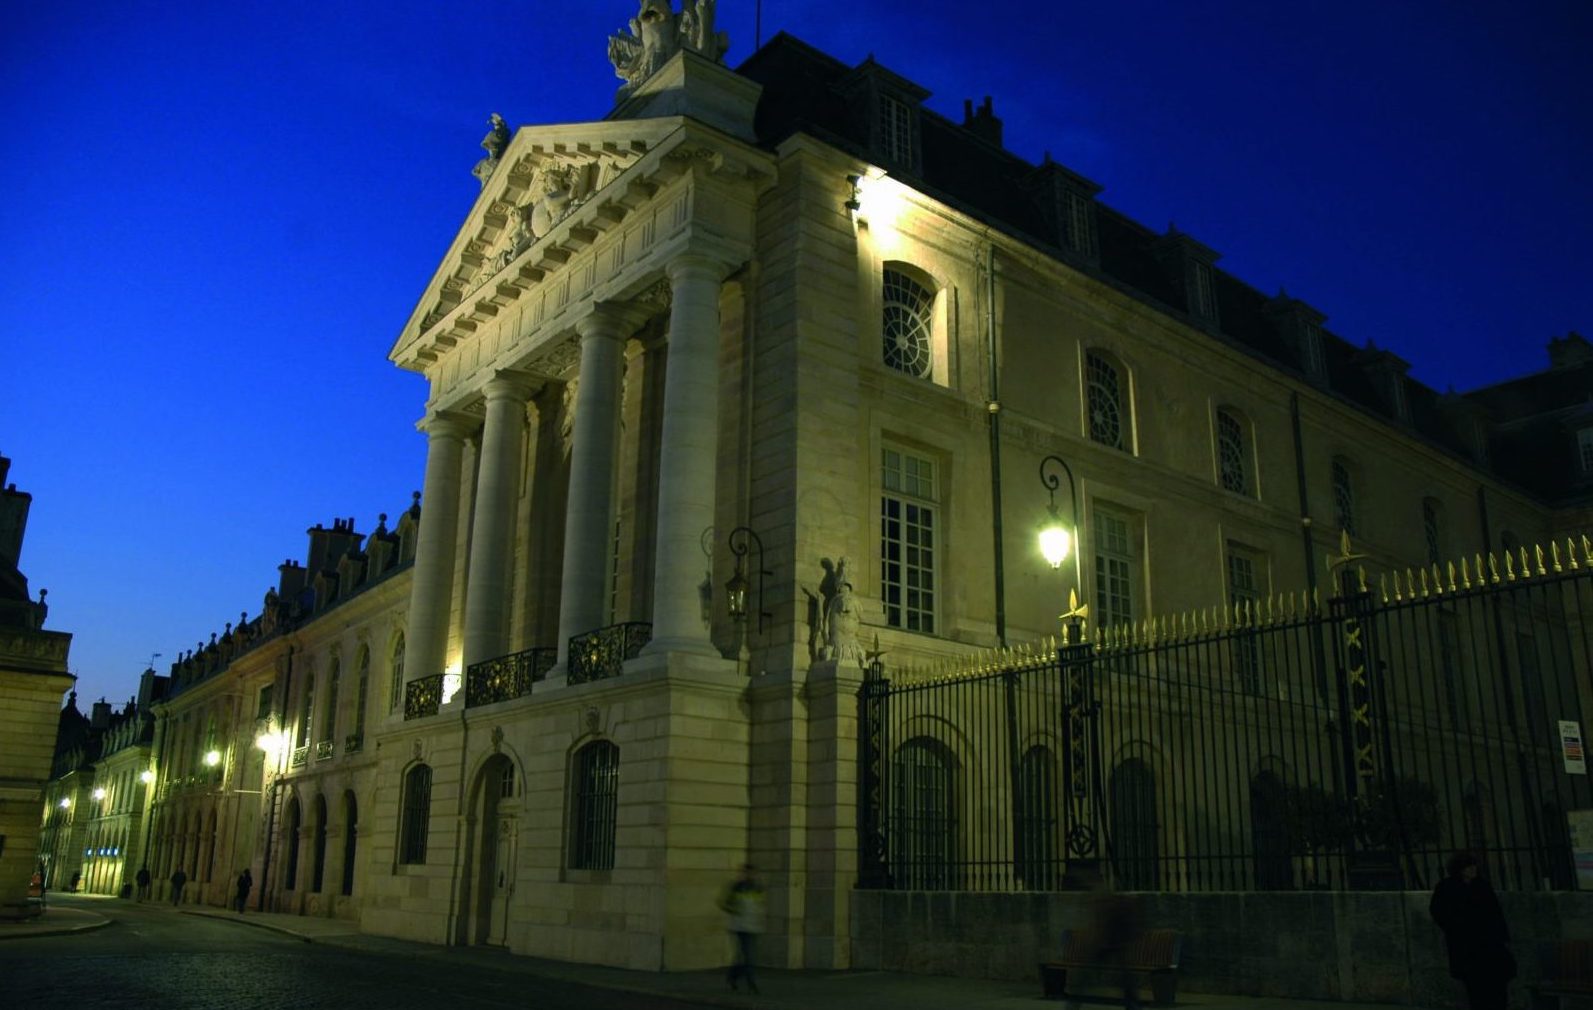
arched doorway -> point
(1135, 846)
(1269, 834)
(491, 849)
(350, 841)
(318, 877)
(290, 831)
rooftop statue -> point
(657, 33)
(495, 143)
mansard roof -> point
(806, 91)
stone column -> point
(492, 535)
(594, 444)
(431, 591)
(688, 458)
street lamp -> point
(212, 758)
(1057, 539)
(99, 792)
(742, 540)
(65, 802)
(146, 776)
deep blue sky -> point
(214, 219)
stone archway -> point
(491, 834)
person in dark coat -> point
(245, 884)
(1466, 909)
(178, 880)
(143, 882)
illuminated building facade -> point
(561, 704)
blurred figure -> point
(143, 882)
(245, 884)
(1466, 909)
(743, 903)
(1116, 922)
(178, 880)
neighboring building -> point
(33, 676)
(790, 299)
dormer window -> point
(1202, 291)
(894, 135)
(1311, 350)
(1584, 449)
(1078, 223)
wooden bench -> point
(1154, 954)
(1565, 968)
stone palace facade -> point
(729, 393)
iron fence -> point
(1284, 743)
(423, 696)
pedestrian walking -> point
(1465, 907)
(743, 903)
(245, 883)
(178, 879)
(143, 882)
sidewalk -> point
(781, 989)
(53, 922)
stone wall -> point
(1375, 947)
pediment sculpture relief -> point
(658, 33)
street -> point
(151, 955)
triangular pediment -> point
(546, 175)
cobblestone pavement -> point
(151, 956)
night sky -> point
(214, 220)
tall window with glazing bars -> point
(596, 806)
(415, 820)
(907, 540)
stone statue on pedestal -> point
(657, 33)
(495, 143)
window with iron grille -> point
(1232, 459)
(416, 821)
(1114, 568)
(1432, 531)
(1343, 498)
(395, 690)
(1104, 398)
(596, 806)
(907, 540)
(1244, 592)
(895, 130)
(908, 325)
(923, 835)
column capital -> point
(696, 266)
(613, 320)
(507, 384)
(446, 424)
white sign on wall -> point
(1571, 747)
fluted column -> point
(492, 533)
(431, 591)
(688, 457)
(594, 444)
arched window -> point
(1433, 530)
(416, 817)
(1135, 846)
(908, 329)
(923, 833)
(1233, 455)
(329, 712)
(350, 841)
(395, 690)
(1343, 497)
(362, 665)
(1106, 399)
(1269, 834)
(1036, 857)
(596, 805)
(291, 825)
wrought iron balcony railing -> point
(599, 654)
(423, 697)
(300, 756)
(324, 750)
(507, 676)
